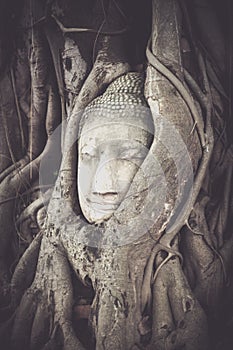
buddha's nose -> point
(106, 182)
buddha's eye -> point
(133, 154)
(86, 156)
(88, 153)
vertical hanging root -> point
(23, 142)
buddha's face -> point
(109, 157)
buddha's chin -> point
(95, 216)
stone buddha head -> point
(116, 132)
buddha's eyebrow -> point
(134, 150)
(136, 145)
(90, 144)
(88, 147)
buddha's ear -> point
(76, 202)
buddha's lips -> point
(104, 206)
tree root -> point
(177, 316)
(14, 167)
(200, 261)
(25, 270)
(85, 30)
(46, 304)
(33, 208)
(182, 90)
(149, 274)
